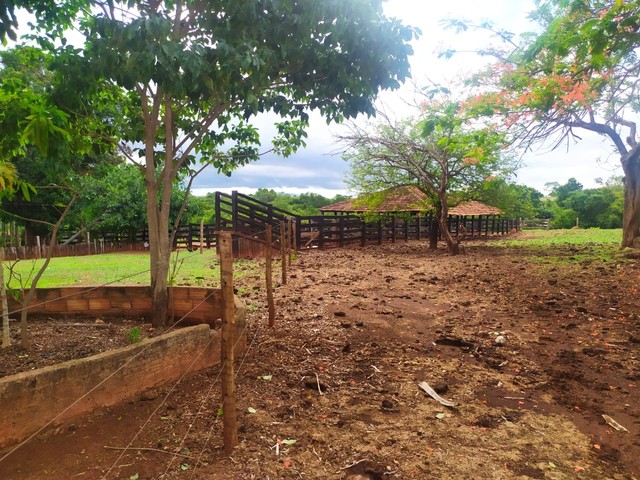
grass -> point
(563, 246)
(564, 237)
(130, 268)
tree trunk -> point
(158, 209)
(27, 297)
(159, 253)
(453, 244)
(6, 338)
(631, 215)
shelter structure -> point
(475, 217)
(404, 199)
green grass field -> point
(578, 236)
(192, 268)
(196, 269)
(560, 246)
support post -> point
(393, 229)
(294, 236)
(269, 277)
(283, 252)
(289, 241)
(227, 341)
(201, 236)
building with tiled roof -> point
(393, 200)
(473, 208)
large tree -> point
(196, 71)
(440, 152)
(580, 73)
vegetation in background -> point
(303, 204)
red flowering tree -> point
(580, 73)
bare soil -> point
(533, 353)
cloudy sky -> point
(319, 169)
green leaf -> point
(135, 476)
(266, 377)
(289, 441)
(251, 410)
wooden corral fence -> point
(248, 218)
(535, 223)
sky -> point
(319, 168)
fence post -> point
(321, 233)
(393, 229)
(201, 236)
(218, 212)
(294, 236)
(363, 233)
(379, 231)
(289, 241)
(283, 253)
(227, 342)
(268, 276)
(298, 237)
(234, 210)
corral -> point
(333, 391)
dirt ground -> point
(532, 351)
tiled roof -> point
(473, 207)
(400, 199)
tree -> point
(54, 17)
(580, 73)
(439, 152)
(113, 200)
(516, 201)
(561, 192)
(195, 72)
(303, 204)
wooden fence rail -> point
(248, 218)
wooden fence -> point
(248, 219)
(341, 230)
